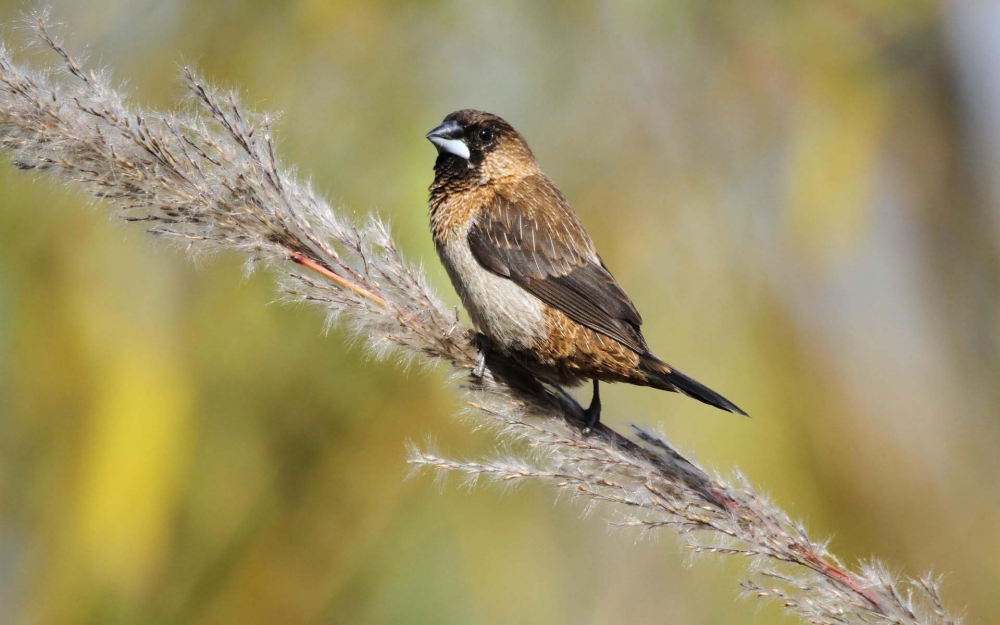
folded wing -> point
(534, 238)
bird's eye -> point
(485, 135)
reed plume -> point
(209, 179)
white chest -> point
(509, 315)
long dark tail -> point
(664, 377)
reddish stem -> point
(326, 272)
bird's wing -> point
(532, 236)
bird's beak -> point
(449, 137)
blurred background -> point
(801, 198)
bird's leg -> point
(485, 346)
(592, 415)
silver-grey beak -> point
(449, 137)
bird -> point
(527, 271)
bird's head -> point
(480, 147)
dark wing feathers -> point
(488, 254)
(536, 240)
(590, 296)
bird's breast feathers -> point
(509, 315)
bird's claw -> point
(480, 369)
(484, 351)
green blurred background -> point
(801, 198)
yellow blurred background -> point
(801, 198)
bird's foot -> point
(592, 415)
(484, 350)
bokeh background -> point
(802, 198)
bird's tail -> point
(664, 377)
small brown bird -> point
(528, 272)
